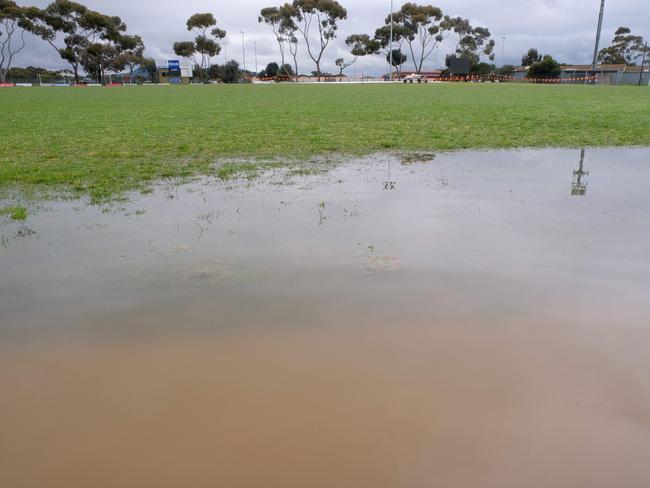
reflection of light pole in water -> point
(388, 184)
(579, 184)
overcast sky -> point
(564, 28)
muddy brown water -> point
(457, 321)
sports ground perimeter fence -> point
(614, 79)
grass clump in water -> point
(15, 212)
(232, 170)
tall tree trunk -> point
(294, 53)
(415, 63)
(281, 44)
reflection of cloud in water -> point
(382, 264)
(207, 273)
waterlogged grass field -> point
(101, 142)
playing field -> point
(102, 141)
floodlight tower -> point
(598, 31)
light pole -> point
(225, 51)
(598, 31)
(645, 51)
(390, 68)
(243, 51)
(503, 48)
(255, 47)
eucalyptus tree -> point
(380, 43)
(471, 42)
(131, 55)
(546, 68)
(531, 56)
(317, 22)
(205, 45)
(13, 24)
(421, 29)
(397, 58)
(626, 48)
(86, 35)
(363, 45)
(289, 31)
(342, 64)
(273, 18)
(105, 53)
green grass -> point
(15, 212)
(102, 142)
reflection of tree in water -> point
(579, 184)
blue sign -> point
(174, 65)
(175, 81)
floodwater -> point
(476, 319)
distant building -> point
(173, 71)
(428, 75)
(608, 74)
(324, 77)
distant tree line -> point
(96, 44)
(31, 73)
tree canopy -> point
(626, 48)
(228, 73)
(90, 40)
(471, 42)
(423, 28)
(273, 18)
(206, 43)
(398, 58)
(317, 21)
(546, 68)
(419, 26)
(342, 64)
(532, 56)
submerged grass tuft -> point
(248, 170)
(15, 212)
